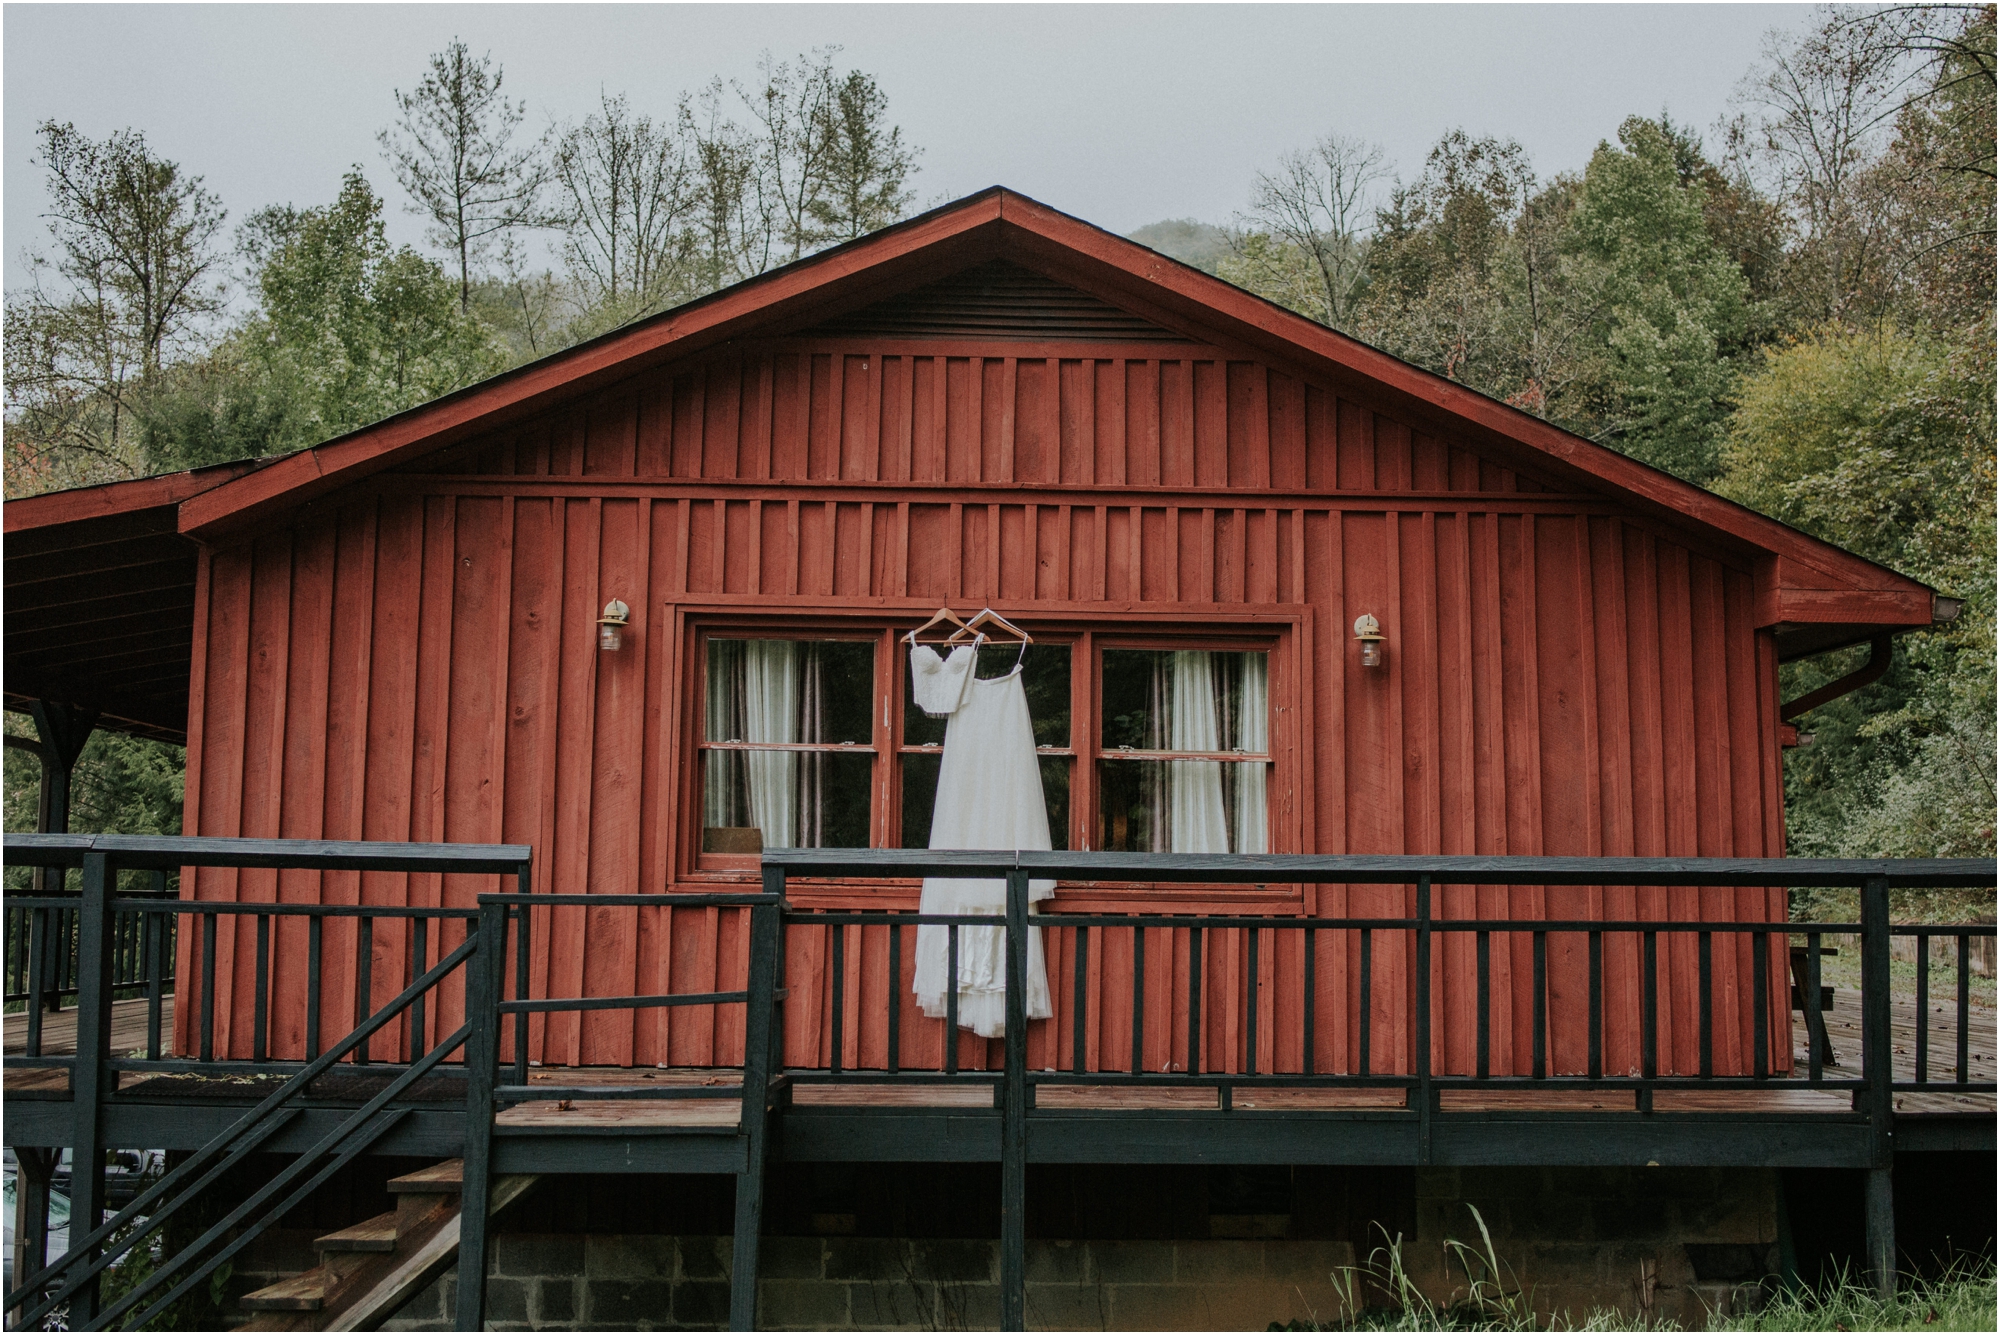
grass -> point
(1380, 1294)
(1963, 1298)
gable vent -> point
(996, 300)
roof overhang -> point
(100, 594)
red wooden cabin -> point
(395, 636)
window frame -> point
(700, 860)
(1088, 635)
(1155, 643)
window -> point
(811, 740)
(788, 754)
(1186, 742)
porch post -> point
(1879, 1070)
(1014, 1115)
(36, 1167)
(90, 1081)
(766, 938)
(482, 995)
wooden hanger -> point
(942, 614)
(988, 617)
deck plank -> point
(621, 1113)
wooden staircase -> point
(366, 1272)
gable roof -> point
(981, 265)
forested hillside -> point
(1794, 308)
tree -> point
(348, 330)
(133, 277)
(1882, 440)
(1670, 300)
(625, 205)
(792, 109)
(1471, 275)
(1304, 241)
(452, 149)
(868, 165)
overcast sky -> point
(1120, 114)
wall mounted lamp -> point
(1369, 632)
(611, 626)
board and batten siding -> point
(415, 658)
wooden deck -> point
(128, 1029)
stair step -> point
(300, 1293)
(444, 1179)
(370, 1235)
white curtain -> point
(722, 786)
(771, 683)
(1253, 733)
(1195, 815)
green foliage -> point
(120, 785)
(1964, 1298)
(868, 164)
(1882, 441)
(206, 1306)
(1669, 299)
(1203, 245)
(348, 330)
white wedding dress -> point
(989, 795)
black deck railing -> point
(472, 946)
(1872, 1091)
(41, 940)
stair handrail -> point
(100, 858)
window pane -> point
(787, 691)
(790, 691)
(1182, 806)
(1186, 700)
(1044, 677)
(920, 777)
(753, 800)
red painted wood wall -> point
(415, 659)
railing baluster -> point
(1964, 1006)
(313, 935)
(1541, 985)
(1815, 1020)
(1760, 989)
(1311, 981)
(1596, 1006)
(1923, 1008)
(1649, 1019)
(364, 979)
(895, 997)
(260, 1024)
(1250, 1045)
(1367, 992)
(38, 950)
(155, 931)
(419, 955)
(1704, 985)
(208, 987)
(1483, 942)
(1138, 999)
(1422, 1092)
(951, 999)
(1195, 1062)
(1079, 1038)
(524, 919)
(839, 967)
